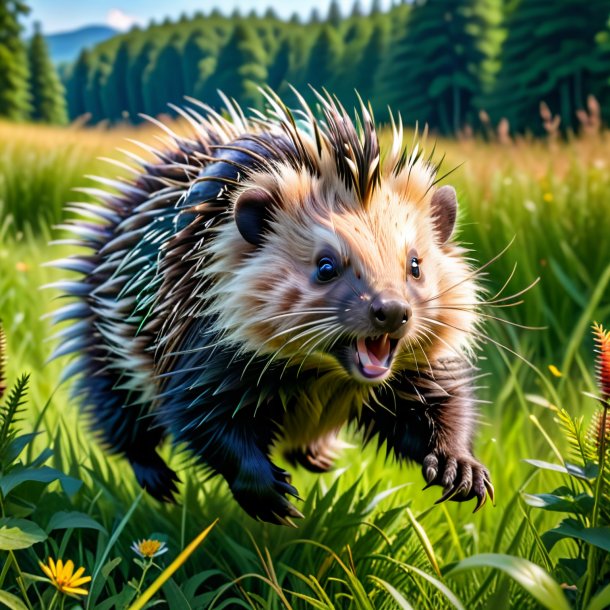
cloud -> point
(120, 20)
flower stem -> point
(53, 601)
(20, 582)
(592, 567)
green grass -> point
(372, 538)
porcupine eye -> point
(327, 269)
(415, 270)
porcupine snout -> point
(389, 313)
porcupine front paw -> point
(261, 494)
(462, 478)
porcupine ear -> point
(252, 214)
(444, 211)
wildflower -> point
(22, 267)
(149, 548)
(555, 371)
(602, 345)
(547, 197)
(64, 578)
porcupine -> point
(264, 282)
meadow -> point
(371, 537)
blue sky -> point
(61, 15)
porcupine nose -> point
(389, 313)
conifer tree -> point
(165, 68)
(334, 14)
(47, 94)
(240, 67)
(76, 85)
(135, 81)
(441, 60)
(14, 96)
(324, 59)
(550, 55)
(114, 92)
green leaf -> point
(582, 504)
(74, 520)
(19, 534)
(530, 576)
(18, 444)
(394, 593)
(588, 473)
(570, 528)
(601, 601)
(12, 602)
(45, 475)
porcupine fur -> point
(260, 284)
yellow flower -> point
(555, 371)
(548, 197)
(64, 578)
(149, 548)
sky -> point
(63, 15)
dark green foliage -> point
(198, 62)
(14, 97)
(115, 89)
(165, 68)
(240, 68)
(549, 55)
(334, 14)
(441, 61)
(135, 89)
(325, 59)
(46, 91)
(435, 61)
(76, 84)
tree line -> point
(442, 62)
(30, 88)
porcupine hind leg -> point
(318, 456)
(122, 427)
(433, 424)
(236, 445)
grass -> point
(372, 538)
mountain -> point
(65, 46)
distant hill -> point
(65, 46)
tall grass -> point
(371, 538)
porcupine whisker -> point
(485, 338)
(323, 333)
(506, 283)
(472, 274)
(320, 330)
(310, 351)
(461, 355)
(219, 342)
(316, 323)
(317, 329)
(484, 315)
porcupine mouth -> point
(374, 356)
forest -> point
(456, 65)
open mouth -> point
(374, 356)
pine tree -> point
(76, 85)
(369, 61)
(240, 67)
(114, 93)
(278, 69)
(441, 60)
(14, 97)
(46, 91)
(324, 59)
(135, 79)
(550, 54)
(198, 61)
(166, 68)
(334, 14)
(355, 40)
